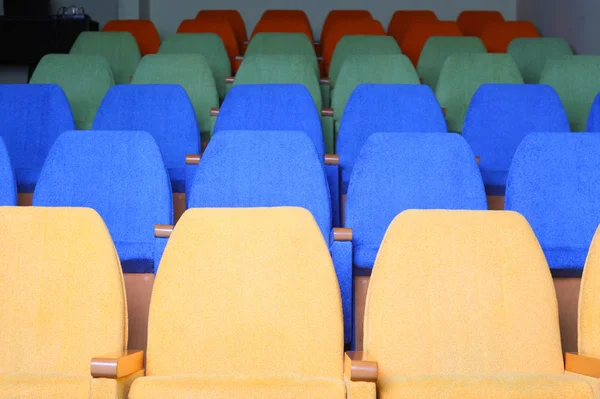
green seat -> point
(85, 79)
(461, 76)
(120, 49)
(283, 44)
(531, 54)
(576, 79)
(193, 73)
(438, 48)
(209, 45)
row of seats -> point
(246, 304)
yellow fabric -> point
(237, 388)
(246, 292)
(107, 388)
(589, 303)
(462, 292)
(360, 390)
(593, 382)
(61, 291)
(44, 386)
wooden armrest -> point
(478, 159)
(320, 59)
(214, 111)
(325, 81)
(316, 43)
(163, 230)
(118, 364)
(192, 159)
(229, 79)
(332, 159)
(327, 112)
(246, 42)
(357, 367)
(342, 234)
(581, 364)
(421, 80)
(444, 111)
(239, 58)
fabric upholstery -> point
(531, 54)
(553, 183)
(403, 19)
(291, 25)
(336, 15)
(472, 22)
(47, 386)
(8, 187)
(193, 73)
(164, 111)
(593, 122)
(85, 80)
(144, 31)
(497, 35)
(589, 298)
(31, 118)
(119, 174)
(110, 388)
(118, 48)
(416, 36)
(233, 17)
(375, 108)
(500, 116)
(218, 26)
(393, 173)
(461, 76)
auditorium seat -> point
(85, 80)
(403, 19)
(62, 303)
(8, 186)
(593, 122)
(417, 33)
(31, 118)
(588, 303)
(461, 76)
(193, 73)
(436, 51)
(339, 15)
(576, 79)
(500, 116)
(267, 169)
(378, 108)
(497, 36)
(218, 26)
(121, 175)
(118, 48)
(233, 17)
(144, 31)
(472, 22)
(284, 25)
(210, 46)
(468, 297)
(531, 54)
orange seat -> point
(498, 35)
(402, 19)
(144, 31)
(338, 15)
(471, 23)
(292, 25)
(214, 25)
(284, 14)
(418, 33)
(233, 17)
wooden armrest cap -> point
(163, 230)
(118, 364)
(357, 367)
(332, 159)
(229, 79)
(214, 111)
(327, 112)
(581, 364)
(342, 234)
(478, 159)
(325, 81)
(239, 58)
(192, 159)
(444, 111)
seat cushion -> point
(504, 386)
(46, 386)
(191, 387)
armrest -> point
(342, 234)
(214, 111)
(444, 111)
(478, 159)
(332, 159)
(584, 365)
(118, 364)
(327, 112)
(320, 59)
(229, 79)
(358, 367)
(192, 159)
(325, 81)
(163, 230)
(316, 43)
(246, 42)
(239, 58)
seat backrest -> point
(8, 192)
(233, 17)
(402, 19)
(500, 116)
(272, 107)
(145, 33)
(417, 34)
(438, 48)
(192, 72)
(218, 26)
(553, 183)
(31, 118)
(254, 317)
(374, 108)
(61, 290)
(337, 15)
(588, 323)
(121, 175)
(209, 45)
(497, 35)
(472, 22)
(531, 54)
(118, 48)
(593, 122)
(284, 14)
(399, 171)
(164, 111)
(462, 292)
(576, 79)
(262, 169)
(85, 79)
(461, 76)
(293, 25)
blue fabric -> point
(376, 108)
(8, 187)
(341, 254)
(593, 122)
(500, 116)
(332, 172)
(31, 118)
(164, 111)
(400, 171)
(119, 174)
(553, 182)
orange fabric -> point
(401, 20)
(417, 34)
(339, 15)
(214, 25)
(292, 25)
(233, 17)
(284, 14)
(471, 23)
(497, 36)
(144, 31)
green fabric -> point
(576, 79)
(531, 54)
(438, 48)
(85, 79)
(193, 73)
(209, 45)
(120, 49)
(461, 76)
(360, 45)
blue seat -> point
(500, 116)
(8, 188)
(267, 169)
(593, 122)
(120, 175)
(31, 118)
(164, 111)
(553, 182)
(399, 171)
(374, 108)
